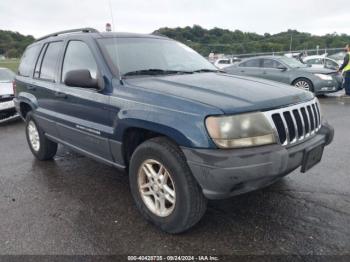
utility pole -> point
(291, 41)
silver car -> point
(289, 71)
(7, 107)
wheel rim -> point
(302, 85)
(33, 136)
(156, 188)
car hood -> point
(231, 94)
(6, 88)
(315, 70)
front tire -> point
(41, 147)
(163, 186)
(304, 84)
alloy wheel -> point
(303, 85)
(156, 188)
(33, 135)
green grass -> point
(10, 64)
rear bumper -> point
(7, 110)
(225, 173)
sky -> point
(41, 17)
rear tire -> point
(41, 147)
(187, 205)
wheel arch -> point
(135, 134)
(304, 78)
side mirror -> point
(81, 78)
(282, 68)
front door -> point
(272, 70)
(84, 114)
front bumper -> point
(225, 173)
(327, 86)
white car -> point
(226, 62)
(319, 61)
(7, 106)
(338, 57)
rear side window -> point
(78, 56)
(28, 61)
(49, 62)
(251, 63)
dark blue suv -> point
(184, 131)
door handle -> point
(242, 71)
(30, 87)
(60, 95)
(264, 73)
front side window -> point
(251, 63)
(226, 62)
(331, 64)
(316, 61)
(270, 63)
(28, 61)
(136, 54)
(49, 64)
(78, 57)
(291, 62)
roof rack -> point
(83, 30)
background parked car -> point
(7, 107)
(289, 71)
(338, 57)
(226, 62)
(319, 61)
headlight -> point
(244, 130)
(324, 77)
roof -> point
(265, 56)
(91, 32)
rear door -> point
(44, 85)
(84, 113)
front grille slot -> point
(297, 122)
(306, 120)
(280, 127)
(311, 117)
(290, 125)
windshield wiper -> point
(207, 70)
(155, 71)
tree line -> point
(216, 40)
(219, 40)
(12, 44)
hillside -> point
(12, 44)
(237, 42)
(215, 40)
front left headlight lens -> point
(246, 130)
(324, 77)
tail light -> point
(14, 87)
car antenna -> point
(115, 40)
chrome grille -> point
(296, 123)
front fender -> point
(185, 129)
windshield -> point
(6, 75)
(292, 62)
(143, 55)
